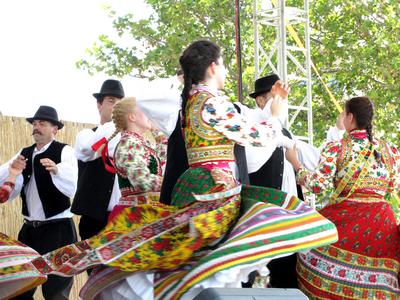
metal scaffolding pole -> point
(282, 46)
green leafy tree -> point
(354, 46)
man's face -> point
(263, 99)
(105, 108)
(43, 132)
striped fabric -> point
(265, 231)
(13, 253)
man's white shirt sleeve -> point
(87, 137)
(67, 177)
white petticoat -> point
(139, 286)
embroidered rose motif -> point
(347, 291)
(361, 260)
(333, 251)
(106, 253)
(326, 169)
(316, 189)
(314, 261)
(342, 273)
(389, 264)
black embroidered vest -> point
(95, 185)
(53, 201)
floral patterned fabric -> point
(139, 172)
(210, 153)
(5, 191)
(23, 276)
(383, 175)
(211, 231)
(365, 262)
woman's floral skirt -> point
(216, 233)
(363, 264)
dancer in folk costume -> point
(364, 172)
(217, 232)
(45, 186)
(265, 230)
(12, 251)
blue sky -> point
(41, 41)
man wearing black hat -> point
(46, 185)
(269, 168)
(98, 190)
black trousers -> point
(283, 272)
(45, 238)
(89, 227)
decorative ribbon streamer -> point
(107, 160)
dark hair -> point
(100, 99)
(362, 109)
(194, 62)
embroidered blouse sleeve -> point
(130, 157)
(160, 146)
(4, 173)
(5, 191)
(323, 176)
(220, 114)
(394, 152)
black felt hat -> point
(264, 84)
(46, 113)
(110, 87)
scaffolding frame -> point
(284, 20)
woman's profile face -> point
(141, 120)
(220, 73)
(348, 120)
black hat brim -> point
(255, 94)
(100, 96)
(54, 122)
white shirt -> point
(84, 152)
(256, 157)
(161, 102)
(65, 181)
(334, 134)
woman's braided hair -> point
(362, 109)
(194, 62)
(120, 113)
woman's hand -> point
(17, 166)
(292, 157)
(339, 121)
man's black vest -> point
(53, 201)
(271, 173)
(177, 163)
(95, 185)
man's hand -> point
(280, 94)
(17, 166)
(50, 165)
(280, 89)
